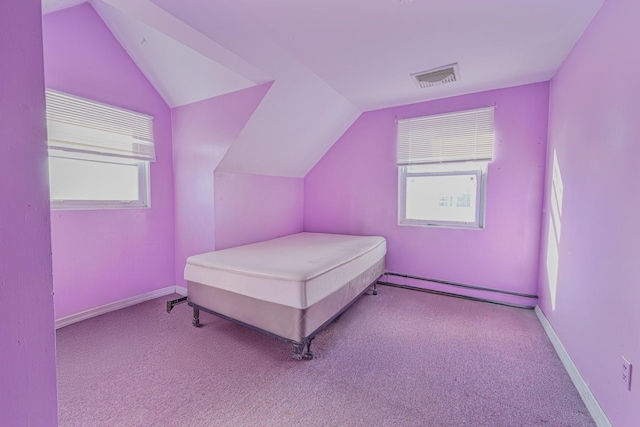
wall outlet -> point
(626, 372)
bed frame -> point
(298, 347)
(297, 327)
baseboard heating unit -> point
(459, 290)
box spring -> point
(290, 323)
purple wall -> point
(590, 274)
(254, 208)
(202, 134)
(105, 256)
(27, 339)
(354, 189)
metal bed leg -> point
(297, 349)
(196, 317)
(173, 303)
(374, 288)
(308, 355)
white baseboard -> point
(117, 305)
(181, 290)
(587, 396)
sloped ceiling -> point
(332, 59)
(180, 74)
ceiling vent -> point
(437, 76)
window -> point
(443, 195)
(98, 155)
(442, 164)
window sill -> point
(95, 206)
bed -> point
(290, 287)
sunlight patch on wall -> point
(557, 193)
(552, 263)
(555, 223)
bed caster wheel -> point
(308, 356)
(297, 356)
(375, 292)
(196, 323)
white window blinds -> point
(453, 137)
(82, 126)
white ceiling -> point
(367, 49)
(332, 59)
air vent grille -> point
(437, 76)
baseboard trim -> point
(587, 396)
(117, 305)
(181, 290)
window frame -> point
(478, 169)
(144, 186)
(91, 131)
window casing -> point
(99, 155)
(442, 169)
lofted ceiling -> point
(330, 60)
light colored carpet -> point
(401, 358)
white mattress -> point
(297, 270)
